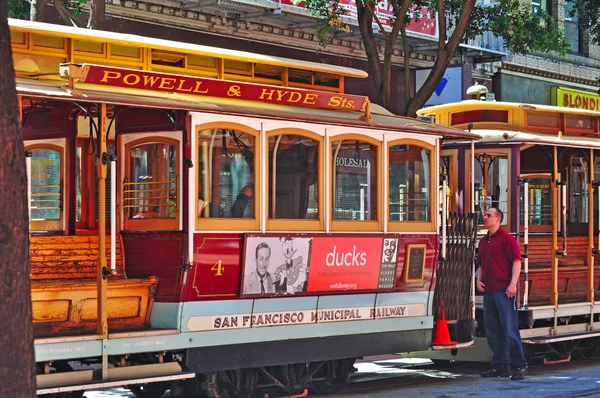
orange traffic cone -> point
(441, 333)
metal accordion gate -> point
(454, 276)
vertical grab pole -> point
(444, 217)
(113, 216)
(563, 205)
(28, 155)
(102, 274)
(475, 220)
(472, 176)
(525, 242)
(555, 220)
(590, 295)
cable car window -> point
(152, 187)
(293, 177)
(46, 189)
(227, 175)
(409, 178)
(578, 186)
(540, 201)
(354, 180)
(491, 184)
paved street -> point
(396, 377)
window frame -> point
(287, 224)
(415, 226)
(229, 224)
(358, 225)
(150, 224)
(537, 228)
(495, 151)
(59, 145)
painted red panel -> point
(218, 264)
(217, 267)
(157, 254)
(431, 259)
(158, 81)
(344, 262)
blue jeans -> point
(502, 329)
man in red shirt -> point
(499, 268)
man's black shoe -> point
(519, 373)
(497, 372)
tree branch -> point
(66, 15)
(442, 22)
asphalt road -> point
(392, 376)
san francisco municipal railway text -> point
(298, 317)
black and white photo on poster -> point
(276, 265)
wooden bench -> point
(572, 270)
(64, 290)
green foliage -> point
(588, 12)
(522, 29)
(18, 9)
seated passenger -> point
(237, 210)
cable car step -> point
(117, 377)
(453, 346)
(562, 337)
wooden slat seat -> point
(64, 287)
(70, 257)
(572, 270)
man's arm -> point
(511, 291)
(238, 208)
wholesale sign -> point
(298, 264)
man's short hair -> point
(499, 213)
(262, 245)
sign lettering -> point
(120, 77)
(282, 318)
(579, 99)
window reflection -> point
(46, 184)
(491, 191)
(409, 183)
(578, 178)
(226, 180)
(355, 180)
(151, 191)
(293, 177)
(540, 201)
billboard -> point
(448, 90)
(276, 265)
(421, 22)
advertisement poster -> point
(448, 90)
(421, 22)
(290, 265)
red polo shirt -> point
(496, 256)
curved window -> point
(227, 170)
(151, 188)
(409, 183)
(354, 180)
(46, 189)
(294, 185)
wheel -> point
(334, 375)
(150, 390)
(239, 383)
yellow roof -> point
(472, 105)
(196, 49)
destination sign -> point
(171, 83)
